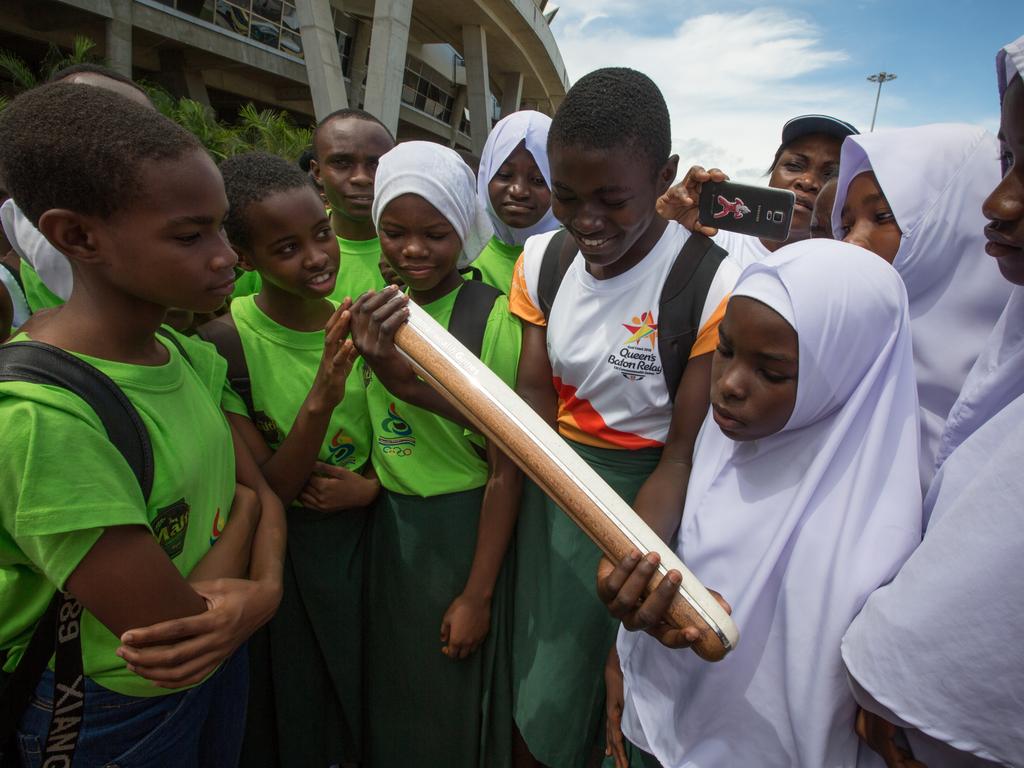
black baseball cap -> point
(807, 124)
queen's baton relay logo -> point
(637, 358)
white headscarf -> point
(940, 646)
(795, 530)
(442, 178)
(998, 376)
(531, 127)
(28, 242)
(936, 177)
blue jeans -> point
(198, 728)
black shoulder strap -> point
(16, 274)
(39, 363)
(682, 303)
(469, 314)
(58, 630)
(223, 334)
(558, 256)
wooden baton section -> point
(541, 453)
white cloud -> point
(730, 79)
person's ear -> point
(314, 169)
(244, 258)
(667, 174)
(77, 236)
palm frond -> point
(18, 70)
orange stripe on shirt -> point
(519, 301)
(707, 338)
(578, 420)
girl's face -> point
(754, 371)
(518, 192)
(804, 167)
(421, 245)
(605, 198)
(1005, 206)
(291, 244)
(867, 219)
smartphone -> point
(759, 211)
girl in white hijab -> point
(938, 650)
(440, 600)
(802, 500)
(514, 186)
(913, 196)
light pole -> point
(881, 77)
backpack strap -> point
(472, 307)
(58, 631)
(558, 256)
(682, 303)
(223, 334)
(39, 363)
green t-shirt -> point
(63, 482)
(497, 262)
(247, 282)
(282, 366)
(359, 269)
(419, 453)
(36, 292)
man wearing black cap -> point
(805, 160)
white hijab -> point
(442, 178)
(952, 664)
(531, 127)
(795, 529)
(936, 177)
(28, 242)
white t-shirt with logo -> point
(744, 249)
(602, 339)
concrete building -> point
(431, 69)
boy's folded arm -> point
(126, 580)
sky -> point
(733, 72)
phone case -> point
(759, 211)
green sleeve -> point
(62, 481)
(503, 341)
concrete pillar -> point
(182, 79)
(383, 97)
(512, 93)
(323, 62)
(474, 43)
(458, 110)
(119, 37)
(357, 75)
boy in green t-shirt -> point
(313, 444)
(440, 537)
(347, 146)
(135, 204)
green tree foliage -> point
(266, 130)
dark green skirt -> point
(561, 631)
(306, 684)
(423, 709)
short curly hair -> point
(65, 145)
(250, 178)
(615, 108)
(348, 113)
